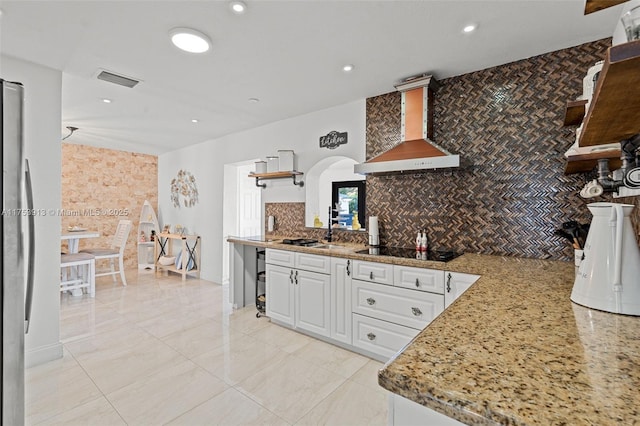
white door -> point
(249, 203)
(279, 294)
(341, 299)
(312, 299)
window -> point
(350, 198)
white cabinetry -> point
(387, 317)
(403, 412)
(380, 273)
(456, 284)
(341, 272)
(410, 308)
(298, 297)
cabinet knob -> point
(371, 301)
(371, 275)
(371, 336)
(449, 282)
(416, 311)
(417, 283)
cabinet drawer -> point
(280, 257)
(418, 279)
(381, 273)
(405, 307)
(380, 337)
(313, 262)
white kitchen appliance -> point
(17, 252)
(609, 276)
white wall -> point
(206, 162)
(43, 103)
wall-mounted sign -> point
(333, 139)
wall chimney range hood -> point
(416, 151)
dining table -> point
(73, 237)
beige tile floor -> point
(161, 351)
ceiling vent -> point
(117, 79)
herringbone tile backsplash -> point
(510, 193)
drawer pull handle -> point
(348, 269)
(416, 311)
(449, 282)
(296, 278)
(371, 275)
(417, 283)
(371, 336)
(291, 277)
(371, 301)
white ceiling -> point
(289, 54)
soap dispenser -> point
(418, 241)
(423, 241)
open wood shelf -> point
(276, 175)
(596, 5)
(583, 163)
(614, 112)
(574, 112)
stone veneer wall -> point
(98, 178)
(511, 192)
(289, 219)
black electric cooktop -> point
(410, 253)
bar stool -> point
(78, 271)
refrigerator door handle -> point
(32, 247)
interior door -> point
(249, 204)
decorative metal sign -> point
(333, 139)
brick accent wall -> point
(114, 183)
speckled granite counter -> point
(514, 349)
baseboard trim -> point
(42, 355)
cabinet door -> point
(456, 283)
(279, 293)
(380, 273)
(418, 278)
(312, 300)
(341, 271)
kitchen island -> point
(513, 349)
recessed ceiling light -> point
(194, 120)
(106, 101)
(254, 100)
(469, 28)
(190, 40)
(238, 7)
(347, 68)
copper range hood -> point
(416, 151)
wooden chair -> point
(116, 251)
(77, 272)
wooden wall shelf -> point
(596, 5)
(574, 112)
(614, 112)
(276, 175)
(586, 162)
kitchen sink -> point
(327, 246)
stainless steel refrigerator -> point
(17, 252)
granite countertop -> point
(513, 349)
